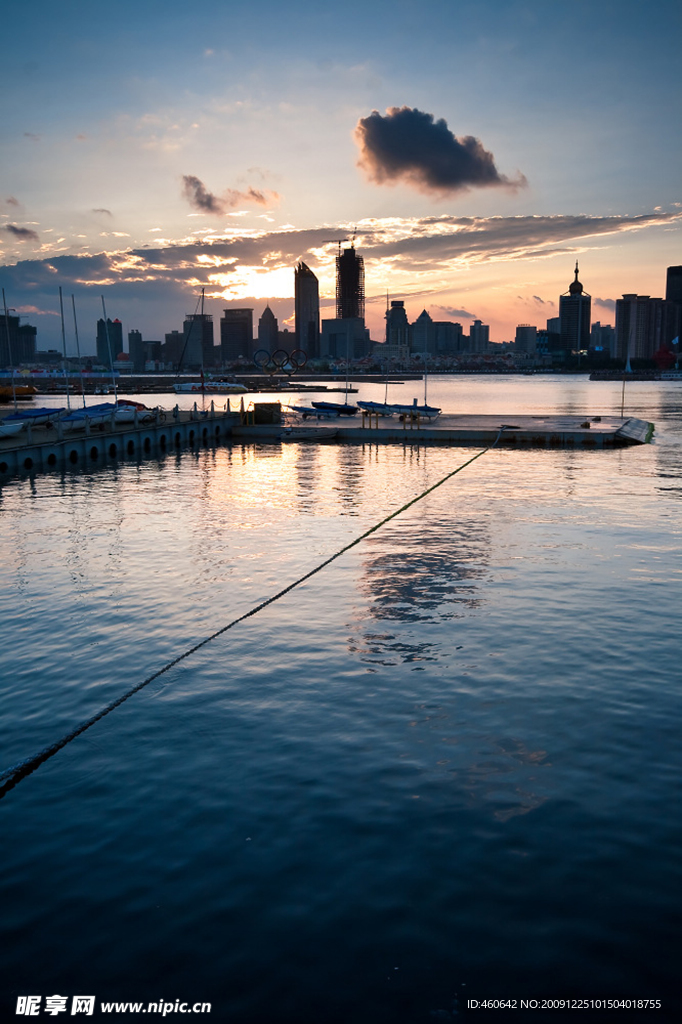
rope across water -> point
(12, 776)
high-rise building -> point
(198, 334)
(350, 285)
(344, 339)
(423, 335)
(479, 337)
(136, 350)
(526, 338)
(114, 341)
(642, 326)
(575, 307)
(268, 331)
(236, 334)
(307, 310)
(673, 294)
(397, 326)
(448, 337)
(173, 348)
(22, 342)
(602, 338)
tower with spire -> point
(575, 310)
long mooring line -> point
(12, 776)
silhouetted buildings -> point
(307, 310)
(198, 338)
(236, 335)
(136, 351)
(479, 337)
(643, 326)
(526, 338)
(268, 331)
(19, 346)
(350, 285)
(575, 307)
(171, 352)
(109, 341)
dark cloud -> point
(32, 136)
(22, 234)
(539, 300)
(606, 303)
(198, 196)
(11, 201)
(102, 209)
(451, 311)
(408, 145)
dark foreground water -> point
(444, 769)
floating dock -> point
(469, 429)
(41, 449)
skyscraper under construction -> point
(350, 285)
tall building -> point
(526, 338)
(22, 342)
(307, 310)
(479, 337)
(575, 308)
(236, 334)
(344, 339)
(397, 326)
(268, 331)
(448, 337)
(673, 294)
(423, 335)
(643, 326)
(350, 285)
(602, 338)
(114, 329)
(172, 349)
(137, 351)
(198, 334)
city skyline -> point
(478, 150)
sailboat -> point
(424, 411)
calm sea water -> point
(445, 768)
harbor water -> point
(443, 769)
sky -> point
(476, 150)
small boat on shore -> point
(9, 429)
(426, 412)
(339, 408)
(35, 417)
(380, 408)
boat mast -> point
(66, 378)
(78, 348)
(111, 361)
(9, 350)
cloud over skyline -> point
(436, 260)
(199, 198)
(21, 234)
(407, 145)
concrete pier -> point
(39, 449)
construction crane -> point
(338, 241)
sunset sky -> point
(479, 148)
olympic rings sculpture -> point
(280, 361)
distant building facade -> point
(236, 335)
(307, 310)
(268, 331)
(136, 351)
(108, 348)
(526, 339)
(397, 325)
(575, 308)
(197, 332)
(479, 336)
(643, 326)
(346, 338)
(350, 286)
(19, 344)
(171, 352)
